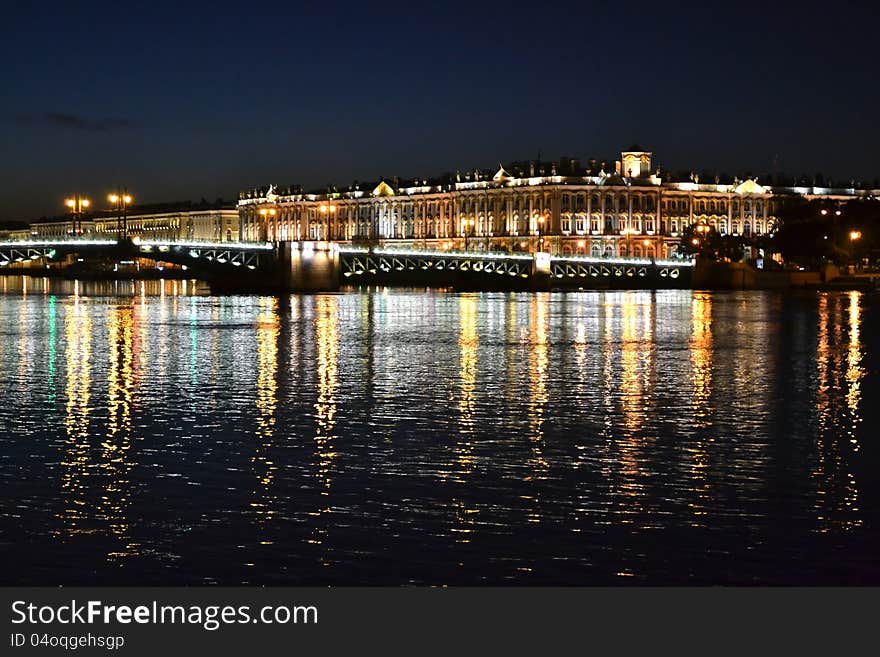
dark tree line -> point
(808, 233)
(818, 231)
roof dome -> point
(750, 187)
(383, 189)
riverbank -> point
(710, 275)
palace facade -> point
(561, 208)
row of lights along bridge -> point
(120, 200)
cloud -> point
(76, 122)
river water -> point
(153, 434)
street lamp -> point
(854, 236)
(77, 205)
(121, 199)
(328, 210)
(468, 227)
(265, 213)
(541, 233)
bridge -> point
(235, 254)
(488, 268)
(325, 265)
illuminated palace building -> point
(631, 210)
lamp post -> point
(121, 199)
(77, 205)
(468, 227)
(541, 233)
(425, 226)
(703, 230)
(854, 236)
(329, 211)
(266, 213)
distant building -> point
(622, 209)
(219, 224)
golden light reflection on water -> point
(701, 350)
(464, 515)
(537, 465)
(838, 356)
(468, 342)
(854, 370)
(75, 463)
(116, 458)
(327, 375)
(636, 366)
(264, 467)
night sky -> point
(185, 100)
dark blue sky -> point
(186, 100)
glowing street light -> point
(266, 213)
(121, 200)
(78, 205)
(855, 235)
(327, 209)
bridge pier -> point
(307, 266)
(541, 278)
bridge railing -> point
(198, 244)
(502, 255)
(66, 242)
